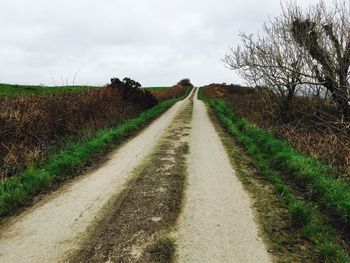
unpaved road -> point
(217, 223)
(135, 222)
(56, 225)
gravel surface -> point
(217, 224)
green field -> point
(12, 90)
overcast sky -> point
(156, 42)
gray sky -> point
(156, 42)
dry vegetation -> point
(34, 125)
(174, 92)
(168, 93)
(306, 132)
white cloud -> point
(156, 42)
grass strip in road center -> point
(136, 224)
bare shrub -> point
(185, 83)
(324, 34)
(301, 52)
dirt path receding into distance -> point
(55, 226)
(114, 213)
(135, 225)
(217, 223)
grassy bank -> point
(13, 90)
(308, 131)
(331, 192)
(271, 157)
(17, 191)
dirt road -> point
(55, 226)
(217, 223)
(136, 222)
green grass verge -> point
(332, 192)
(269, 154)
(17, 191)
(10, 90)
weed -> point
(165, 247)
(300, 214)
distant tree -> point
(185, 83)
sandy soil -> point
(217, 223)
(55, 226)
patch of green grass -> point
(165, 248)
(300, 214)
(10, 90)
(17, 191)
(264, 150)
(200, 95)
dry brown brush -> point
(315, 130)
(169, 93)
(32, 126)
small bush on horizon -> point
(185, 83)
(131, 91)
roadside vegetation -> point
(305, 132)
(33, 126)
(282, 238)
(305, 211)
(65, 131)
(300, 65)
